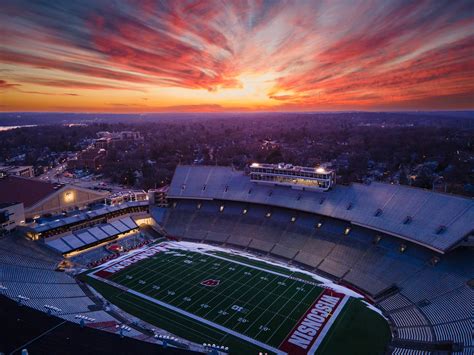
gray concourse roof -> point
(434, 220)
(86, 215)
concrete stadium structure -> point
(409, 250)
(436, 221)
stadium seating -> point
(415, 333)
(458, 331)
(402, 351)
(424, 303)
(283, 251)
(28, 269)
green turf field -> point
(233, 301)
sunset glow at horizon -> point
(218, 56)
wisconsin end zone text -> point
(313, 326)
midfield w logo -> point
(210, 282)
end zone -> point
(313, 326)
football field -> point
(213, 298)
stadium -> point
(274, 259)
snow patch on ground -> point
(326, 283)
(206, 248)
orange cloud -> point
(199, 55)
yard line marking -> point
(165, 274)
(136, 271)
(176, 246)
(299, 303)
(255, 294)
(175, 280)
(171, 320)
(288, 288)
(139, 270)
(171, 274)
(271, 319)
(144, 273)
(208, 322)
(258, 268)
(192, 316)
(235, 290)
(218, 292)
(193, 286)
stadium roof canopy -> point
(97, 234)
(434, 220)
(86, 215)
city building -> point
(40, 198)
(90, 159)
(25, 171)
(115, 139)
(11, 215)
(126, 196)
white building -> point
(297, 177)
(11, 216)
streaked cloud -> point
(219, 55)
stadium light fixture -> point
(221, 208)
(123, 328)
(244, 211)
(21, 299)
(83, 319)
(347, 230)
(321, 170)
(51, 309)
